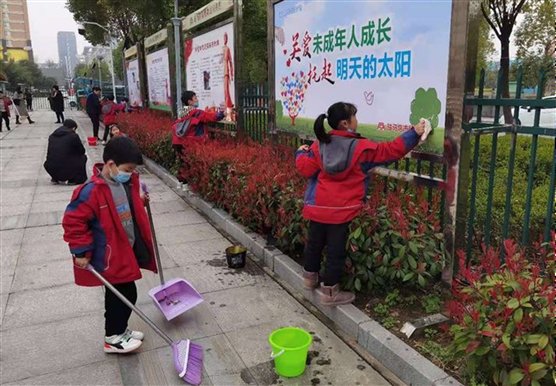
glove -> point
(428, 130)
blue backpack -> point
(184, 126)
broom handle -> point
(155, 243)
(130, 305)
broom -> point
(188, 356)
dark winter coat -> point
(58, 102)
(93, 105)
(66, 157)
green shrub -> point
(505, 317)
(541, 181)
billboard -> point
(389, 58)
(158, 80)
(209, 68)
(133, 83)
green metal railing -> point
(491, 234)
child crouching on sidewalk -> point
(106, 225)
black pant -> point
(19, 116)
(30, 104)
(334, 236)
(81, 176)
(6, 119)
(95, 119)
(106, 132)
(59, 117)
(116, 312)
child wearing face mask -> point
(337, 166)
(106, 225)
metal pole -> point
(111, 42)
(112, 66)
(99, 73)
(177, 53)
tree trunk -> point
(505, 68)
(292, 119)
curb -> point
(394, 354)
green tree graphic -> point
(425, 105)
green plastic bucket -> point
(289, 350)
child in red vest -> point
(337, 167)
(106, 225)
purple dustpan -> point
(175, 297)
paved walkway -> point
(52, 330)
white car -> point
(547, 118)
(527, 116)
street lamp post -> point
(111, 42)
(177, 51)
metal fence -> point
(42, 103)
(493, 210)
(510, 187)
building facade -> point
(67, 52)
(15, 34)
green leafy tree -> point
(255, 50)
(130, 21)
(501, 15)
(134, 20)
(535, 39)
(118, 57)
(485, 48)
(425, 105)
(537, 33)
(92, 70)
(25, 73)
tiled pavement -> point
(51, 330)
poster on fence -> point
(133, 83)
(388, 58)
(209, 68)
(158, 80)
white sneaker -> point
(135, 334)
(121, 344)
(103, 143)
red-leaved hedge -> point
(395, 239)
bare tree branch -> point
(487, 18)
(497, 17)
(517, 11)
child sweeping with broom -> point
(337, 166)
(106, 225)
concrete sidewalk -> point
(52, 331)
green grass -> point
(160, 107)
(304, 126)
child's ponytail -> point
(319, 129)
(336, 113)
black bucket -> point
(236, 256)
